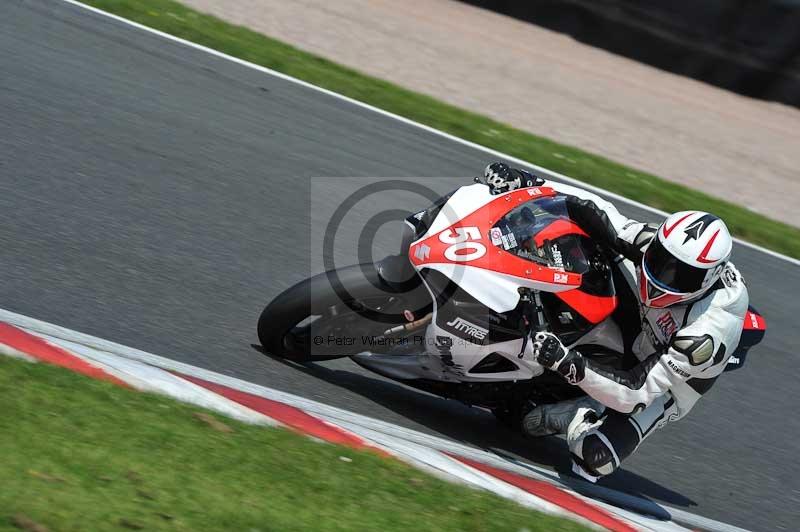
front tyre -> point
(313, 321)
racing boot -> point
(546, 420)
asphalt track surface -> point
(157, 196)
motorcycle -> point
(453, 312)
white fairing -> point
(459, 356)
(498, 291)
(454, 364)
(434, 366)
(452, 358)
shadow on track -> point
(476, 427)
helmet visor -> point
(669, 273)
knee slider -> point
(595, 456)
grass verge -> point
(80, 454)
(172, 17)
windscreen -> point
(541, 231)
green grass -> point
(80, 454)
(174, 18)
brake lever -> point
(531, 309)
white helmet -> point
(684, 259)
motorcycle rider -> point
(692, 302)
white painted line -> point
(348, 420)
(549, 173)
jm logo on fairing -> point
(468, 328)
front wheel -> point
(332, 316)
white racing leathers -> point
(681, 349)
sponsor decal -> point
(734, 360)
(557, 258)
(676, 369)
(495, 235)
(753, 320)
(419, 215)
(560, 278)
(512, 240)
(535, 191)
(506, 243)
(470, 329)
(666, 323)
(422, 252)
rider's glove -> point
(551, 353)
(502, 178)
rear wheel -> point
(315, 321)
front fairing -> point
(474, 251)
(492, 246)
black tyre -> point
(332, 316)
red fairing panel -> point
(467, 243)
(594, 308)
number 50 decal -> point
(461, 240)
